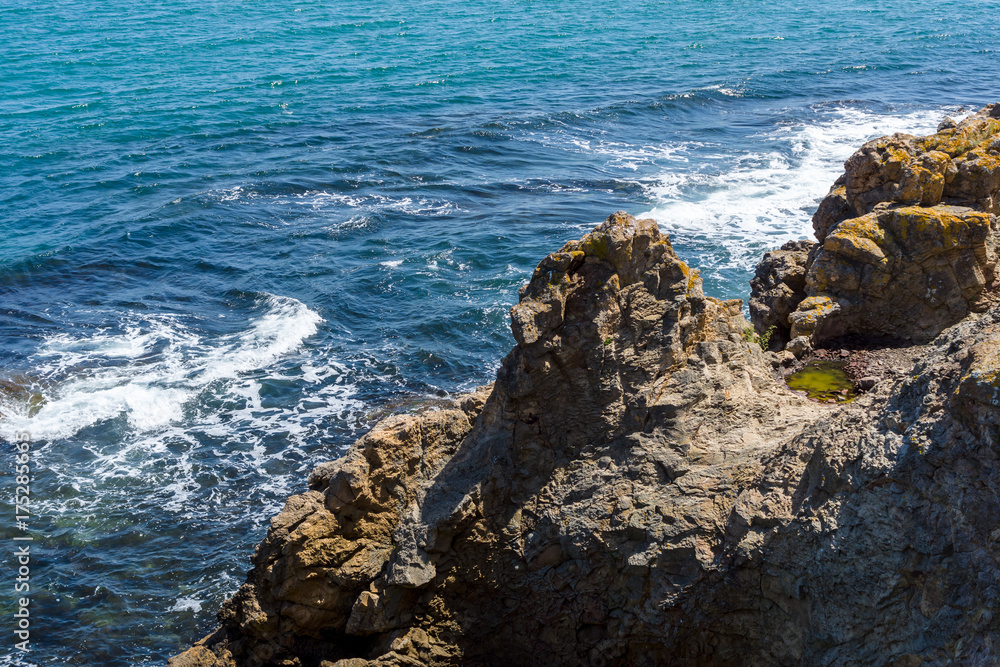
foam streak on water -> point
(85, 381)
(732, 204)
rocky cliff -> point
(640, 487)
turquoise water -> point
(235, 231)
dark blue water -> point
(235, 233)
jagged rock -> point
(977, 176)
(777, 288)
(947, 124)
(909, 170)
(906, 272)
(834, 208)
(200, 655)
(639, 487)
(590, 491)
(868, 537)
(872, 538)
(908, 242)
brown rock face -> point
(554, 518)
(905, 272)
(639, 488)
(908, 236)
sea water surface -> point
(236, 233)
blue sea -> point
(235, 234)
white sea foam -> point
(324, 200)
(177, 414)
(739, 203)
(104, 376)
(630, 156)
(189, 603)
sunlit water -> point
(235, 232)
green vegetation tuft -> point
(764, 340)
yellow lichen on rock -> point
(905, 272)
(908, 243)
(927, 231)
(810, 315)
(923, 179)
(961, 139)
(925, 171)
(977, 177)
(860, 239)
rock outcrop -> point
(555, 517)
(639, 487)
(907, 239)
(872, 538)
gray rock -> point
(799, 346)
(867, 383)
(777, 288)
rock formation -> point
(777, 288)
(640, 487)
(907, 240)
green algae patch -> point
(823, 381)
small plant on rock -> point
(764, 340)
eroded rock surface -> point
(873, 537)
(777, 288)
(957, 165)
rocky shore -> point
(639, 486)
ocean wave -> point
(157, 412)
(149, 372)
(741, 202)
